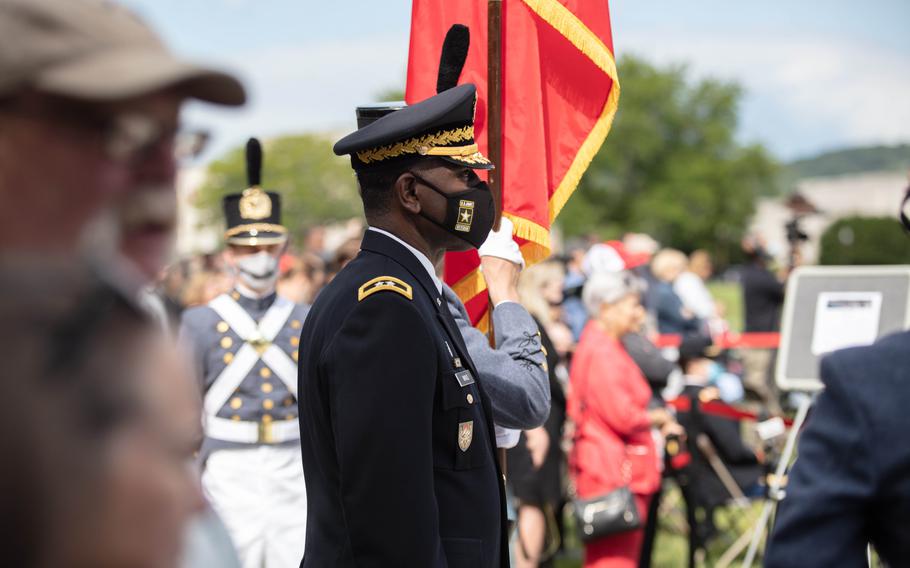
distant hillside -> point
(851, 161)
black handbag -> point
(606, 515)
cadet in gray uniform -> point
(245, 347)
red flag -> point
(559, 95)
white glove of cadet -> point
(501, 245)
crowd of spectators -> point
(601, 307)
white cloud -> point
(303, 88)
(855, 92)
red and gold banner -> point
(559, 96)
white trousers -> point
(260, 495)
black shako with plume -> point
(253, 217)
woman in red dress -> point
(608, 402)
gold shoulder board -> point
(381, 283)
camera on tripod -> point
(795, 233)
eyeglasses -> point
(128, 136)
(132, 136)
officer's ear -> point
(404, 190)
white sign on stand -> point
(845, 319)
(833, 307)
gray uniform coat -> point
(515, 373)
(261, 395)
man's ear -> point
(405, 191)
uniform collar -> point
(424, 261)
(250, 303)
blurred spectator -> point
(657, 370)
(604, 257)
(763, 292)
(672, 316)
(301, 277)
(293, 282)
(535, 464)
(343, 255)
(639, 248)
(653, 365)
(573, 310)
(763, 298)
(314, 242)
(710, 439)
(205, 286)
(89, 103)
(691, 286)
(109, 479)
(608, 401)
(315, 270)
(163, 299)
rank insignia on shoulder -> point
(382, 283)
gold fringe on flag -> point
(586, 41)
(538, 245)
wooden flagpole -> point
(494, 138)
(494, 101)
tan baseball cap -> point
(96, 50)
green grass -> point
(671, 547)
(729, 294)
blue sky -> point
(818, 74)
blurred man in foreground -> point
(104, 478)
(89, 105)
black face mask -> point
(469, 214)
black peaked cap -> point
(440, 126)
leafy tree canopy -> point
(671, 166)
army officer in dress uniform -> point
(398, 444)
(245, 346)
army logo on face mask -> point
(465, 434)
(465, 216)
(255, 204)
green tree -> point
(316, 185)
(671, 166)
(865, 240)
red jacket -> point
(608, 401)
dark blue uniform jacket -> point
(398, 452)
(851, 482)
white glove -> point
(506, 437)
(501, 245)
